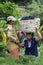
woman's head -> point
(29, 35)
(11, 20)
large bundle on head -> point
(29, 23)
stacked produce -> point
(29, 25)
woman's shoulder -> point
(24, 39)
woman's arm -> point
(39, 34)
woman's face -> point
(11, 22)
(29, 36)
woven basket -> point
(29, 25)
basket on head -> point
(29, 23)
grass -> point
(6, 59)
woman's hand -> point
(37, 29)
(39, 34)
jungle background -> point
(19, 8)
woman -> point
(12, 39)
(30, 43)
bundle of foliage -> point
(2, 35)
(2, 40)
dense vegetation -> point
(32, 7)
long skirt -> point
(15, 53)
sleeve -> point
(5, 28)
(36, 39)
(23, 41)
(12, 38)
